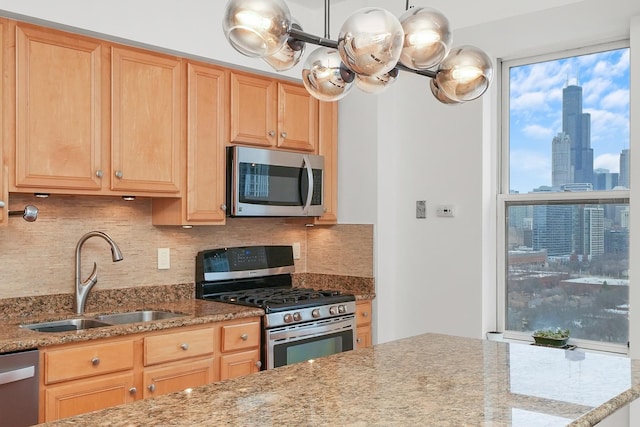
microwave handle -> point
(307, 163)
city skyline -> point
(536, 113)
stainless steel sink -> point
(137, 316)
(65, 325)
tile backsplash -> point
(38, 258)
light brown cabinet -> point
(81, 377)
(4, 100)
(271, 113)
(61, 85)
(328, 147)
(146, 121)
(363, 324)
(240, 348)
(203, 195)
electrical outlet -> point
(296, 250)
(164, 259)
(421, 209)
(445, 211)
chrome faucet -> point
(83, 287)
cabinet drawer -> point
(242, 335)
(178, 345)
(363, 313)
(87, 360)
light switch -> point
(164, 258)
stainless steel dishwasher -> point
(19, 389)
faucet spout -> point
(84, 286)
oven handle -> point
(290, 334)
(307, 163)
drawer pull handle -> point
(152, 388)
(244, 337)
(184, 346)
(365, 314)
(358, 340)
(95, 361)
(133, 390)
(258, 364)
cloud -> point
(538, 132)
(616, 100)
(529, 169)
(607, 161)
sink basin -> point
(65, 325)
(137, 316)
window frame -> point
(504, 197)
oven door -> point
(299, 343)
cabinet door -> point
(59, 85)
(297, 118)
(254, 110)
(328, 147)
(167, 379)
(363, 324)
(238, 364)
(146, 122)
(89, 395)
(4, 104)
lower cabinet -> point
(363, 324)
(81, 377)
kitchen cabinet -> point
(86, 377)
(363, 324)
(239, 344)
(203, 195)
(328, 147)
(4, 102)
(270, 113)
(61, 114)
(146, 130)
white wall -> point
(435, 274)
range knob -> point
(315, 313)
(342, 309)
(333, 310)
(288, 318)
(297, 317)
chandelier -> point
(372, 47)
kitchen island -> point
(431, 379)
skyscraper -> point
(577, 125)
(623, 179)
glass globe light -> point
(465, 74)
(325, 76)
(289, 54)
(256, 28)
(441, 96)
(376, 84)
(427, 38)
(370, 41)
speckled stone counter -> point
(431, 379)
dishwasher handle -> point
(17, 375)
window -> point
(564, 199)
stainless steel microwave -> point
(263, 182)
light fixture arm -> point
(327, 17)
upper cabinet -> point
(328, 147)
(203, 199)
(271, 113)
(146, 121)
(91, 118)
(60, 85)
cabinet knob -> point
(272, 133)
(244, 337)
(152, 387)
(95, 361)
(223, 207)
(258, 364)
(99, 173)
(283, 135)
(358, 340)
(365, 314)
(118, 174)
(133, 390)
(2, 204)
(184, 346)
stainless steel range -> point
(299, 323)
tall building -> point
(552, 229)
(623, 179)
(589, 237)
(577, 125)
(561, 160)
(605, 180)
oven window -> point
(312, 348)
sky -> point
(536, 112)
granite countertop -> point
(15, 338)
(431, 379)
